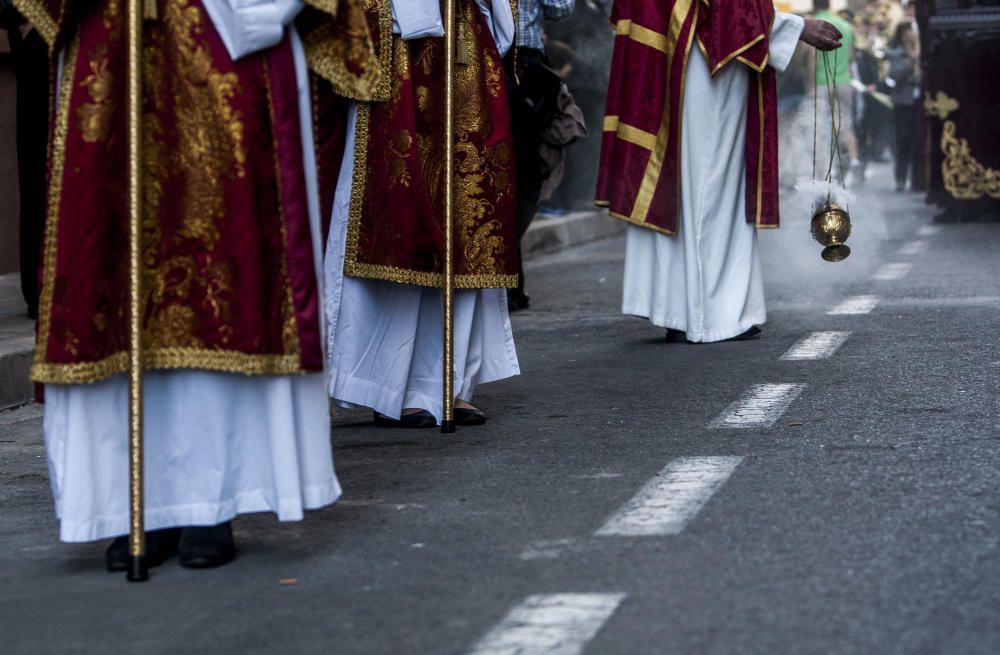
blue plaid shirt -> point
(531, 13)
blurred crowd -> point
(877, 85)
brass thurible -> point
(831, 226)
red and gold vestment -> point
(228, 270)
(640, 178)
(395, 229)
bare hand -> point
(821, 35)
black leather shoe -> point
(676, 336)
(160, 546)
(752, 333)
(207, 547)
(469, 416)
(421, 419)
(516, 299)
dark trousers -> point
(531, 105)
(904, 119)
(31, 70)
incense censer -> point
(831, 225)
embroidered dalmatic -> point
(639, 179)
(396, 230)
(235, 413)
(385, 249)
(227, 259)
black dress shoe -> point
(469, 416)
(752, 333)
(207, 547)
(676, 336)
(160, 545)
(421, 419)
(516, 299)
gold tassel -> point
(461, 46)
(150, 11)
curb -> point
(15, 388)
(556, 233)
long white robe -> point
(707, 280)
(216, 444)
(386, 338)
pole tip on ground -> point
(447, 427)
(137, 571)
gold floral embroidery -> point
(94, 119)
(209, 147)
(965, 177)
(398, 154)
(355, 268)
(425, 101)
(342, 52)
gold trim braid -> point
(225, 361)
(57, 163)
(40, 18)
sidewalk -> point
(548, 233)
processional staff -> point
(448, 420)
(137, 571)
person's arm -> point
(246, 27)
(821, 34)
(785, 32)
(900, 65)
(500, 19)
(557, 9)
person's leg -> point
(846, 100)
(904, 144)
(529, 185)
(31, 68)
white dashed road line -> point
(855, 305)
(669, 501)
(891, 272)
(929, 230)
(553, 624)
(818, 345)
(917, 247)
(762, 405)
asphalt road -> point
(857, 513)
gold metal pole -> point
(137, 571)
(448, 420)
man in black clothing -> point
(31, 72)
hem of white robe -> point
(352, 392)
(697, 337)
(188, 514)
